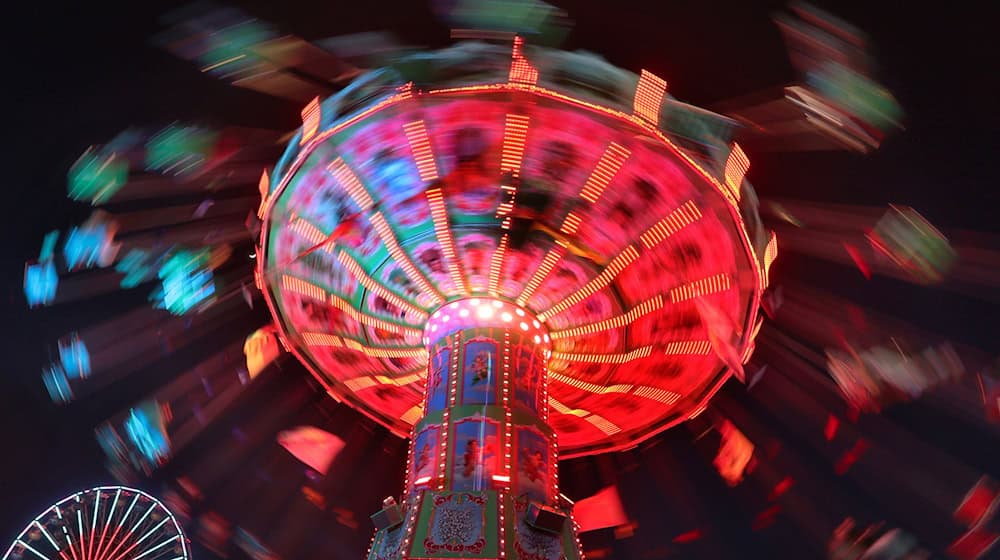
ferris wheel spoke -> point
(66, 533)
(47, 536)
(93, 525)
(104, 531)
(157, 547)
(131, 532)
(81, 535)
(144, 537)
(32, 549)
(121, 522)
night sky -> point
(78, 73)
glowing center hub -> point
(485, 312)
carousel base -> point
(486, 524)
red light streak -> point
(832, 424)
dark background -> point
(76, 73)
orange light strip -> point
(413, 415)
(439, 215)
(657, 394)
(698, 288)
(364, 382)
(496, 267)
(597, 420)
(508, 194)
(603, 424)
(346, 177)
(310, 121)
(311, 233)
(737, 165)
(604, 172)
(697, 412)
(688, 347)
(619, 358)
(543, 270)
(570, 224)
(643, 308)
(649, 97)
(521, 71)
(404, 379)
(515, 135)
(599, 282)
(369, 283)
(302, 287)
(683, 216)
(368, 320)
(322, 339)
(590, 387)
(359, 383)
(264, 186)
(388, 238)
(563, 409)
(420, 145)
(770, 253)
(327, 339)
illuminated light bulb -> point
(537, 324)
(484, 312)
(446, 318)
(537, 339)
(546, 337)
(520, 312)
(474, 302)
(524, 326)
(463, 313)
(434, 328)
(507, 317)
(497, 304)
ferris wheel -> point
(104, 523)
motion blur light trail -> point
(513, 254)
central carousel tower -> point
(506, 254)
